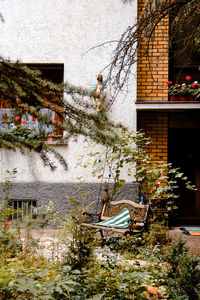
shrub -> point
(81, 248)
(157, 234)
(124, 244)
(9, 244)
(183, 272)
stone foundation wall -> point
(59, 193)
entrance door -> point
(184, 152)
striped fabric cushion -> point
(118, 221)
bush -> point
(157, 234)
(81, 248)
(130, 244)
(38, 282)
(10, 246)
(183, 272)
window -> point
(184, 58)
(8, 116)
(23, 209)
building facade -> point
(55, 37)
(172, 125)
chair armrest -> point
(90, 217)
(89, 213)
(134, 221)
(134, 224)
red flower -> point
(33, 119)
(23, 122)
(157, 183)
(17, 118)
(7, 224)
(168, 82)
(188, 78)
(176, 84)
(194, 84)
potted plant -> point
(189, 91)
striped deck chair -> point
(121, 220)
(122, 216)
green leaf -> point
(179, 175)
(59, 290)
(97, 297)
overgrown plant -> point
(16, 236)
(129, 158)
(81, 247)
(10, 246)
(80, 250)
(183, 272)
(157, 233)
(6, 210)
(123, 244)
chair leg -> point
(101, 232)
(102, 237)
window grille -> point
(23, 209)
(7, 121)
(6, 118)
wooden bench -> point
(138, 216)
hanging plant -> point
(190, 91)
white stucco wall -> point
(51, 31)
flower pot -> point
(51, 138)
(180, 98)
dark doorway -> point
(184, 152)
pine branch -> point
(24, 90)
(26, 138)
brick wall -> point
(152, 71)
(155, 126)
(152, 74)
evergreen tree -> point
(26, 92)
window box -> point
(181, 98)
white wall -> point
(50, 31)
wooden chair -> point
(137, 222)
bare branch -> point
(184, 15)
(99, 46)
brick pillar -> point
(155, 126)
(152, 74)
(152, 71)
